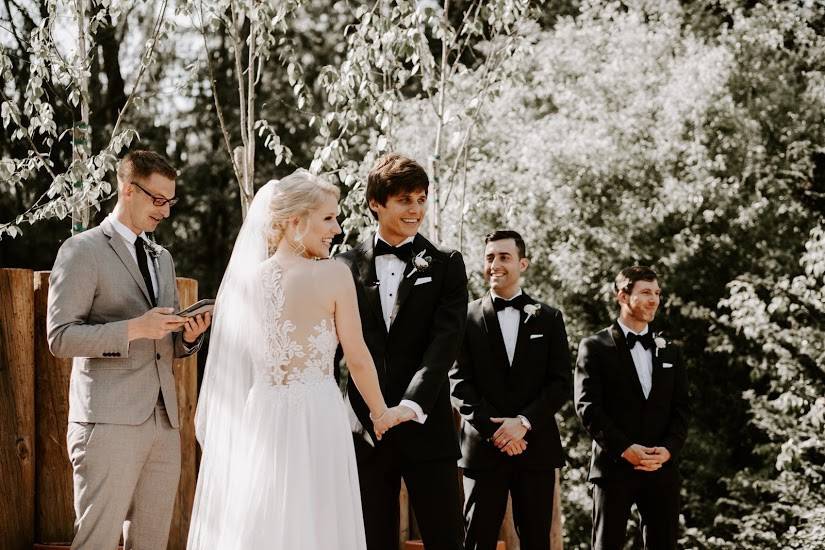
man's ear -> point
(373, 205)
(523, 263)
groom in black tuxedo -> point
(512, 376)
(631, 395)
(413, 301)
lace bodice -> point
(298, 328)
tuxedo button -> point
(157, 356)
(105, 354)
(116, 354)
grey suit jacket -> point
(95, 287)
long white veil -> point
(229, 372)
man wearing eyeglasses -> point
(112, 299)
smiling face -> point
(639, 307)
(503, 267)
(136, 208)
(401, 216)
(318, 228)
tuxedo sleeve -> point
(589, 397)
(446, 334)
(466, 396)
(72, 288)
(556, 391)
(677, 428)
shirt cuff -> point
(420, 417)
(525, 422)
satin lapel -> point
(493, 328)
(625, 358)
(369, 279)
(522, 340)
(119, 246)
(407, 283)
(657, 371)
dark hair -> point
(628, 277)
(142, 164)
(502, 234)
(394, 174)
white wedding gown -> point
(292, 481)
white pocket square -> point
(667, 365)
(422, 280)
(534, 336)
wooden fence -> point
(35, 472)
(36, 480)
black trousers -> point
(433, 487)
(656, 495)
(485, 502)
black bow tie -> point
(403, 252)
(518, 302)
(646, 340)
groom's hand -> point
(639, 456)
(154, 324)
(195, 326)
(515, 447)
(511, 430)
(406, 414)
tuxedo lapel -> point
(657, 372)
(408, 280)
(522, 340)
(119, 246)
(165, 281)
(625, 359)
(369, 279)
(493, 328)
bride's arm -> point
(348, 327)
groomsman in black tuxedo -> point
(413, 301)
(512, 376)
(631, 395)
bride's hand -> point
(389, 418)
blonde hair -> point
(298, 194)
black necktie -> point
(144, 269)
(646, 340)
(403, 252)
(518, 302)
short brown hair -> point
(628, 277)
(142, 164)
(502, 234)
(394, 174)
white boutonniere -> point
(532, 310)
(661, 343)
(421, 263)
(152, 248)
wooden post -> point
(54, 517)
(17, 460)
(186, 383)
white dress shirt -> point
(509, 319)
(130, 238)
(642, 360)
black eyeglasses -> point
(156, 199)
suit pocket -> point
(78, 439)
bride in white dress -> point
(278, 467)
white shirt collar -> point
(127, 234)
(405, 241)
(494, 295)
(626, 329)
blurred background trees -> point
(685, 135)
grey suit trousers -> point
(125, 479)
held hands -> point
(509, 437)
(389, 418)
(646, 459)
(195, 326)
(155, 324)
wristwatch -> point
(525, 422)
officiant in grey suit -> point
(112, 299)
